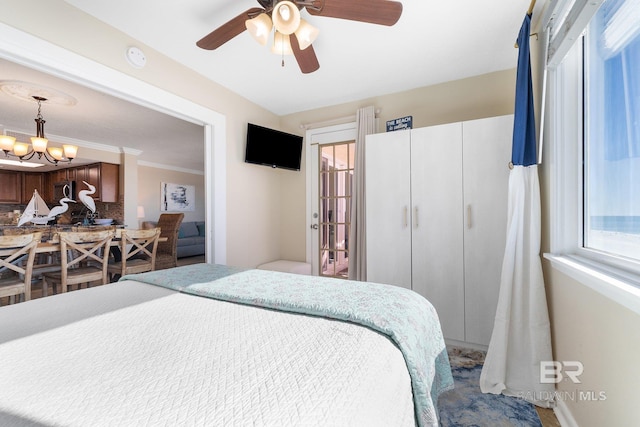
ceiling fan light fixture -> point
(306, 34)
(286, 17)
(281, 44)
(259, 28)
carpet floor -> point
(467, 406)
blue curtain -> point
(523, 151)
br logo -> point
(552, 372)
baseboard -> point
(564, 415)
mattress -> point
(132, 354)
(207, 345)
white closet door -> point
(388, 210)
(436, 191)
(486, 155)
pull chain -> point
(282, 50)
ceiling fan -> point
(294, 35)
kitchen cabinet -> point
(17, 187)
(436, 215)
(58, 175)
(10, 187)
(30, 182)
(105, 177)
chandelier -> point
(24, 151)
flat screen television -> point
(273, 148)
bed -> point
(211, 345)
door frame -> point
(313, 138)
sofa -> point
(191, 239)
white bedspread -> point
(153, 357)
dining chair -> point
(84, 257)
(17, 254)
(137, 250)
(167, 254)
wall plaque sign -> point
(400, 124)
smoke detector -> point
(135, 57)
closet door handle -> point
(415, 214)
(469, 223)
(405, 217)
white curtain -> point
(521, 336)
(365, 125)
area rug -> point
(467, 406)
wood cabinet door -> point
(58, 175)
(487, 152)
(388, 208)
(103, 176)
(71, 174)
(32, 181)
(91, 175)
(10, 187)
(47, 187)
(80, 177)
(109, 178)
(438, 237)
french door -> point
(331, 160)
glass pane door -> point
(336, 173)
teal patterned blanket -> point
(404, 316)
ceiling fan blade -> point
(227, 31)
(382, 12)
(307, 60)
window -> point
(593, 155)
(611, 211)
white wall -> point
(149, 179)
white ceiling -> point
(99, 121)
(433, 42)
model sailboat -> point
(36, 211)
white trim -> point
(563, 414)
(570, 29)
(216, 176)
(564, 148)
(617, 285)
(171, 168)
(25, 49)
(132, 151)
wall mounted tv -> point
(273, 148)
